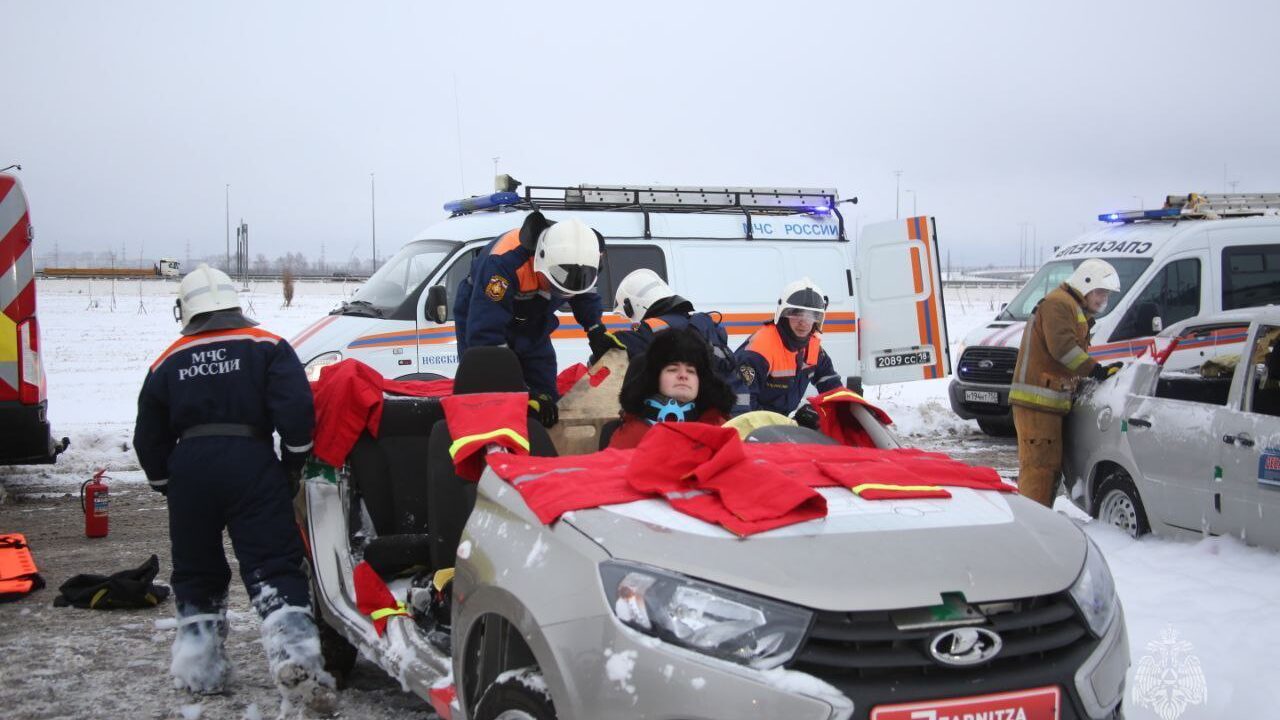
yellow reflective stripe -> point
(93, 602)
(845, 393)
(1080, 315)
(500, 432)
(1041, 398)
(1074, 358)
(895, 488)
(399, 609)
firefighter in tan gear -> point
(1053, 359)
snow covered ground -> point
(1216, 594)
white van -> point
(1199, 254)
(730, 250)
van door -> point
(437, 342)
(902, 327)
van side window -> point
(1250, 276)
(1172, 295)
(620, 260)
(457, 273)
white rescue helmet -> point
(638, 292)
(203, 290)
(568, 256)
(1094, 274)
(802, 296)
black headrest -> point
(489, 369)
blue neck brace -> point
(662, 409)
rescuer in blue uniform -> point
(517, 283)
(779, 361)
(645, 299)
(206, 414)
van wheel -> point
(517, 695)
(1117, 503)
(996, 428)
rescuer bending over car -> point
(645, 299)
(779, 361)
(516, 284)
(1053, 358)
(206, 414)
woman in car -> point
(675, 384)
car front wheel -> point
(1118, 504)
(517, 695)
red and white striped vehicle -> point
(24, 424)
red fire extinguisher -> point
(94, 502)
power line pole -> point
(373, 221)
(228, 207)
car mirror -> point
(1157, 324)
(437, 306)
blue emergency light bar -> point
(1131, 215)
(481, 202)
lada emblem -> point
(963, 647)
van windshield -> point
(387, 288)
(1055, 272)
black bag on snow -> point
(127, 589)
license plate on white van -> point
(982, 396)
(900, 359)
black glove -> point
(543, 408)
(806, 416)
(1101, 372)
(602, 341)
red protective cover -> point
(372, 595)
(477, 420)
(348, 400)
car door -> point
(1249, 430)
(1170, 432)
(902, 325)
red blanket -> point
(836, 420)
(348, 398)
(745, 488)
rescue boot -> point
(293, 655)
(199, 662)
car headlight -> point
(709, 619)
(319, 363)
(1094, 592)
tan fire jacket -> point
(1054, 354)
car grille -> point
(982, 364)
(849, 647)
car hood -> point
(997, 333)
(865, 555)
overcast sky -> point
(130, 118)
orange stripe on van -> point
(917, 281)
(935, 307)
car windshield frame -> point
(401, 276)
(1129, 270)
